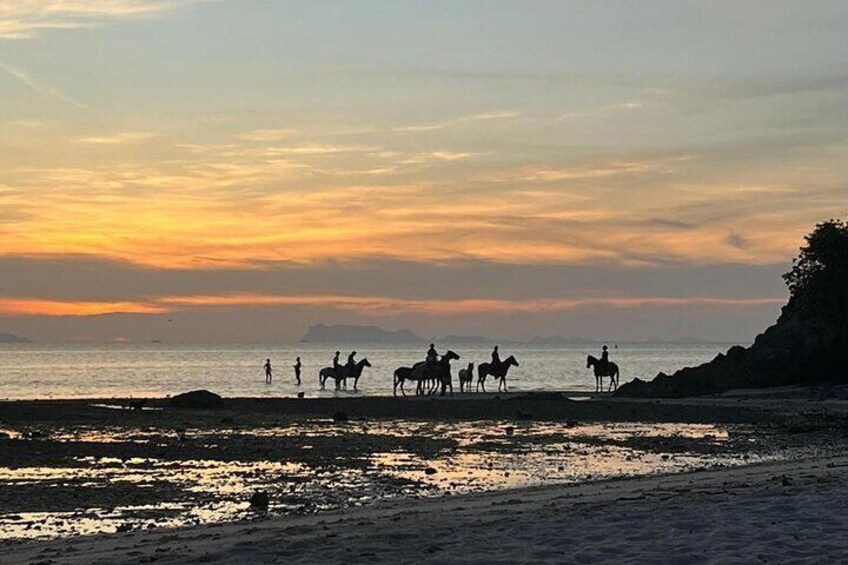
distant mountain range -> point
(11, 338)
(351, 333)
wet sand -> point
(483, 452)
(789, 512)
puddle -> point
(319, 465)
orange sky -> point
(196, 136)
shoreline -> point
(735, 407)
(739, 514)
(581, 521)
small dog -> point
(465, 377)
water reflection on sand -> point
(484, 455)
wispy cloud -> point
(268, 134)
(25, 19)
(482, 117)
(120, 138)
(371, 305)
(38, 86)
(601, 111)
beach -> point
(771, 513)
(534, 477)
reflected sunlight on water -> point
(487, 455)
(157, 370)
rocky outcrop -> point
(807, 345)
(198, 399)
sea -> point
(44, 371)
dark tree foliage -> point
(818, 281)
(823, 261)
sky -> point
(237, 170)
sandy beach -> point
(744, 477)
(771, 513)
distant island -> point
(12, 338)
(346, 333)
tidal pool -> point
(73, 481)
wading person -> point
(269, 372)
(297, 367)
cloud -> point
(118, 138)
(371, 305)
(436, 156)
(39, 87)
(36, 307)
(26, 19)
(482, 117)
(600, 111)
(268, 134)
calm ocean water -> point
(119, 370)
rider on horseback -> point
(496, 358)
(351, 363)
(432, 357)
(605, 357)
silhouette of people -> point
(351, 362)
(297, 366)
(336, 365)
(268, 371)
(496, 357)
(605, 357)
(432, 356)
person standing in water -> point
(297, 366)
(269, 372)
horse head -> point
(450, 356)
(590, 361)
(364, 362)
(511, 361)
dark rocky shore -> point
(808, 345)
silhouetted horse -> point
(421, 373)
(403, 374)
(343, 374)
(486, 369)
(465, 377)
(611, 371)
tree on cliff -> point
(808, 343)
(819, 276)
